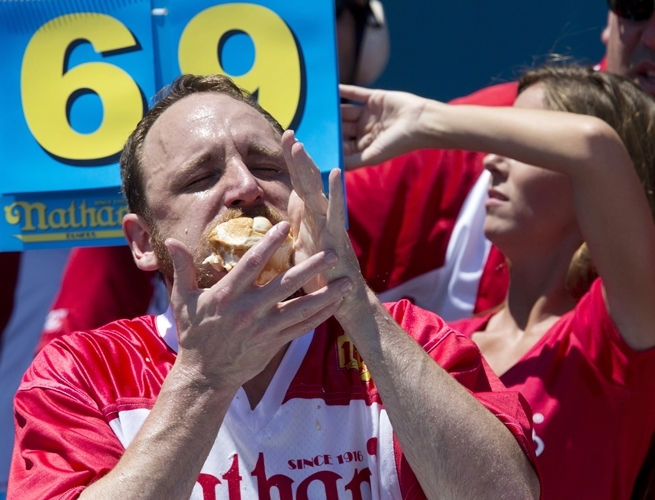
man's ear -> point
(137, 234)
(605, 35)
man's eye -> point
(199, 182)
(268, 170)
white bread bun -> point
(231, 239)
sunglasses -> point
(633, 10)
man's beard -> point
(205, 273)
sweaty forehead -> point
(203, 117)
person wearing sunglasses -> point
(630, 41)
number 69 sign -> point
(80, 74)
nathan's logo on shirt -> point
(350, 359)
(316, 484)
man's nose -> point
(242, 189)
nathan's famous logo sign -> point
(78, 75)
(39, 222)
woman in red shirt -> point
(571, 204)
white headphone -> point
(374, 49)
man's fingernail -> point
(331, 258)
(346, 287)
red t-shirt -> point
(593, 402)
(321, 420)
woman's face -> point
(527, 205)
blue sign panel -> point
(79, 75)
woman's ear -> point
(137, 234)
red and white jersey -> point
(593, 402)
(320, 431)
(416, 226)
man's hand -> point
(230, 332)
(319, 224)
(384, 126)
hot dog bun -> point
(231, 239)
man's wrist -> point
(188, 377)
(357, 306)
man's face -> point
(208, 158)
(631, 49)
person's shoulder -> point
(592, 325)
(502, 94)
(107, 349)
(426, 327)
(405, 311)
(137, 332)
(453, 351)
(99, 370)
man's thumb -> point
(184, 272)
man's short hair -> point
(131, 158)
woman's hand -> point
(384, 125)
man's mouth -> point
(270, 213)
